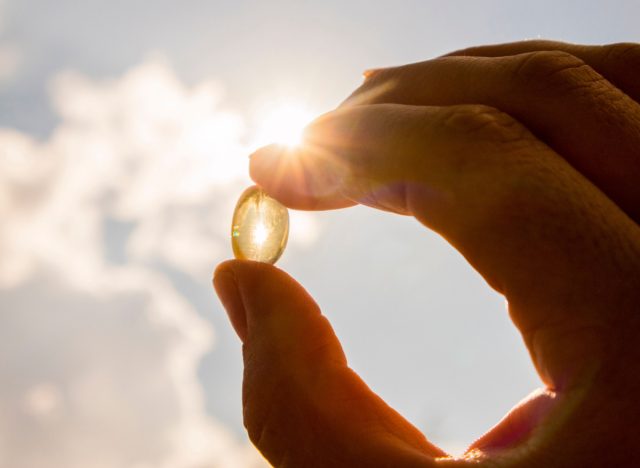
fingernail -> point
(227, 289)
(368, 73)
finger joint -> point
(553, 72)
(481, 123)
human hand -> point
(526, 158)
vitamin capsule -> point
(260, 227)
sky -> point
(124, 134)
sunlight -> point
(260, 233)
(282, 123)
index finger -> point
(562, 253)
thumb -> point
(302, 405)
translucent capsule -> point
(260, 227)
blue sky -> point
(124, 131)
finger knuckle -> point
(622, 56)
(491, 145)
(554, 72)
(260, 413)
(321, 345)
(481, 123)
(259, 392)
(268, 439)
(477, 136)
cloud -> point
(141, 149)
(107, 380)
(100, 356)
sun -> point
(282, 123)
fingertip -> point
(248, 291)
(296, 177)
(226, 266)
(226, 287)
(245, 272)
(276, 169)
(264, 161)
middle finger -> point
(562, 100)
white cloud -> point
(141, 149)
(107, 379)
(102, 358)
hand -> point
(526, 158)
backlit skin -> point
(526, 158)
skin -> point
(526, 158)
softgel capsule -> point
(260, 227)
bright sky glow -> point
(282, 123)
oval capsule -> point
(260, 227)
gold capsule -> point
(260, 227)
